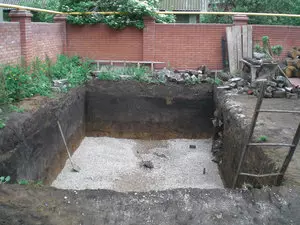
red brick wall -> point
(47, 39)
(189, 45)
(101, 42)
(287, 36)
(10, 48)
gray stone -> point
(233, 85)
(226, 87)
(270, 89)
(281, 79)
(271, 83)
(235, 79)
(268, 95)
(186, 76)
(289, 89)
(241, 83)
(281, 85)
(60, 83)
(147, 164)
(259, 55)
(279, 94)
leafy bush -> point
(18, 82)
(260, 6)
(73, 69)
(23, 82)
(132, 11)
(43, 4)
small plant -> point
(16, 109)
(4, 179)
(263, 138)
(23, 182)
(267, 49)
(37, 183)
(2, 124)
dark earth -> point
(45, 206)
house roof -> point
(14, 2)
(184, 5)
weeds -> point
(33, 183)
(18, 82)
(142, 74)
(14, 108)
(4, 179)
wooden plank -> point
(271, 144)
(278, 111)
(238, 38)
(288, 158)
(245, 41)
(260, 175)
(230, 47)
(250, 41)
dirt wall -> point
(140, 110)
(31, 146)
(235, 127)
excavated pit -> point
(136, 137)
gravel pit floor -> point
(123, 165)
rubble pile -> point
(276, 88)
(268, 72)
(185, 76)
(60, 85)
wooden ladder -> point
(248, 143)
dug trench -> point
(139, 116)
(32, 147)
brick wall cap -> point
(240, 18)
(20, 13)
(60, 18)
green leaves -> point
(4, 179)
(261, 6)
(19, 82)
(132, 11)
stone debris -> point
(277, 87)
(147, 164)
(199, 75)
(60, 85)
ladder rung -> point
(260, 175)
(278, 111)
(271, 144)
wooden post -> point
(250, 133)
(289, 156)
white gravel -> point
(115, 164)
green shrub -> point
(23, 82)
(72, 68)
(18, 82)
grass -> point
(113, 73)
(19, 81)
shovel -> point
(75, 168)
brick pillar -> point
(240, 20)
(149, 39)
(62, 20)
(24, 19)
